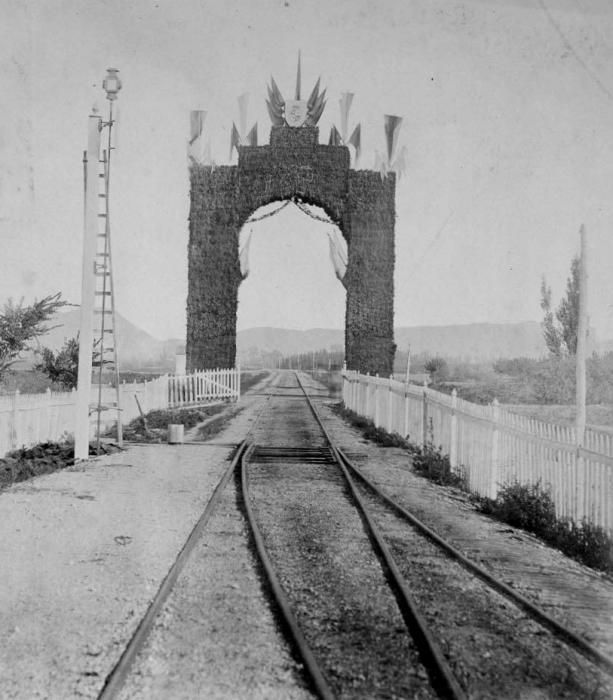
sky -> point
(507, 111)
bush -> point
(429, 461)
(531, 508)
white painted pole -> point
(582, 330)
(408, 372)
(88, 287)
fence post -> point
(453, 437)
(424, 415)
(405, 434)
(46, 423)
(390, 406)
(494, 455)
(15, 420)
(367, 395)
(376, 414)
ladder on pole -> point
(105, 337)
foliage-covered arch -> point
(293, 166)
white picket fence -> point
(27, 419)
(492, 446)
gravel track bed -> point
(335, 583)
(494, 649)
(216, 636)
(326, 565)
(576, 596)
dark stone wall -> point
(294, 165)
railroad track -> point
(372, 600)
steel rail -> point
(117, 676)
(439, 670)
(320, 684)
(568, 636)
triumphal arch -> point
(294, 166)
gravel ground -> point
(216, 636)
(83, 552)
(494, 649)
(572, 593)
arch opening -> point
(293, 264)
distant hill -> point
(476, 341)
(138, 350)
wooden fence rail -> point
(492, 446)
(28, 419)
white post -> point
(494, 455)
(453, 437)
(405, 432)
(582, 331)
(46, 429)
(424, 415)
(88, 286)
(580, 374)
(376, 413)
(408, 372)
(15, 436)
(390, 406)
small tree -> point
(438, 369)
(20, 325)
(561, 336)
(63, 366)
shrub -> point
(531, 508)
(431, 462)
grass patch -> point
(332, 380)
(531, 508)
(249, 379)
(159, 420)
(44, 458)
(428, 461)
(525, 506)
(217, 424)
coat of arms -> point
(296, 112)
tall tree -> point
(560, 331)
(20, 325)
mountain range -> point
(477, 341)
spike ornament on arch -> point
(297, 112)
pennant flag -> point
(243, 100)
(196, 127)
(243, 256)
(380, 164)
(356, 141)
(345, 104)
(399, 166)
(235, 140)
(392, 127)
(335, 137)
(196, 119)
(252, 136)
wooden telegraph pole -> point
(88, 286)
(582, 331)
